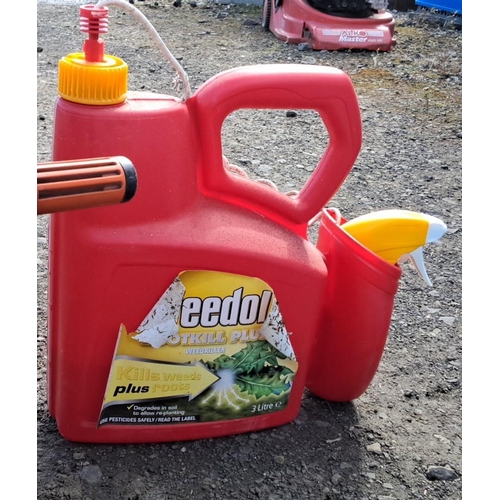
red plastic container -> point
(356, 316)
(232, 242)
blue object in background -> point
(453, 6)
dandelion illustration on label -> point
(255, 370)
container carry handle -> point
(327, 90)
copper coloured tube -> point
(85, 183)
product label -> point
(214, 347)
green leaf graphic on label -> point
(250, 360)
(254, 370)
(272, 382)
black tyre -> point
(266, 13)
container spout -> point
(93, 21)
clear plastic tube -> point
(156, 37)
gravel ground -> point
(402, 439)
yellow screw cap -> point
(95, 83)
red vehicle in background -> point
(331, 24)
